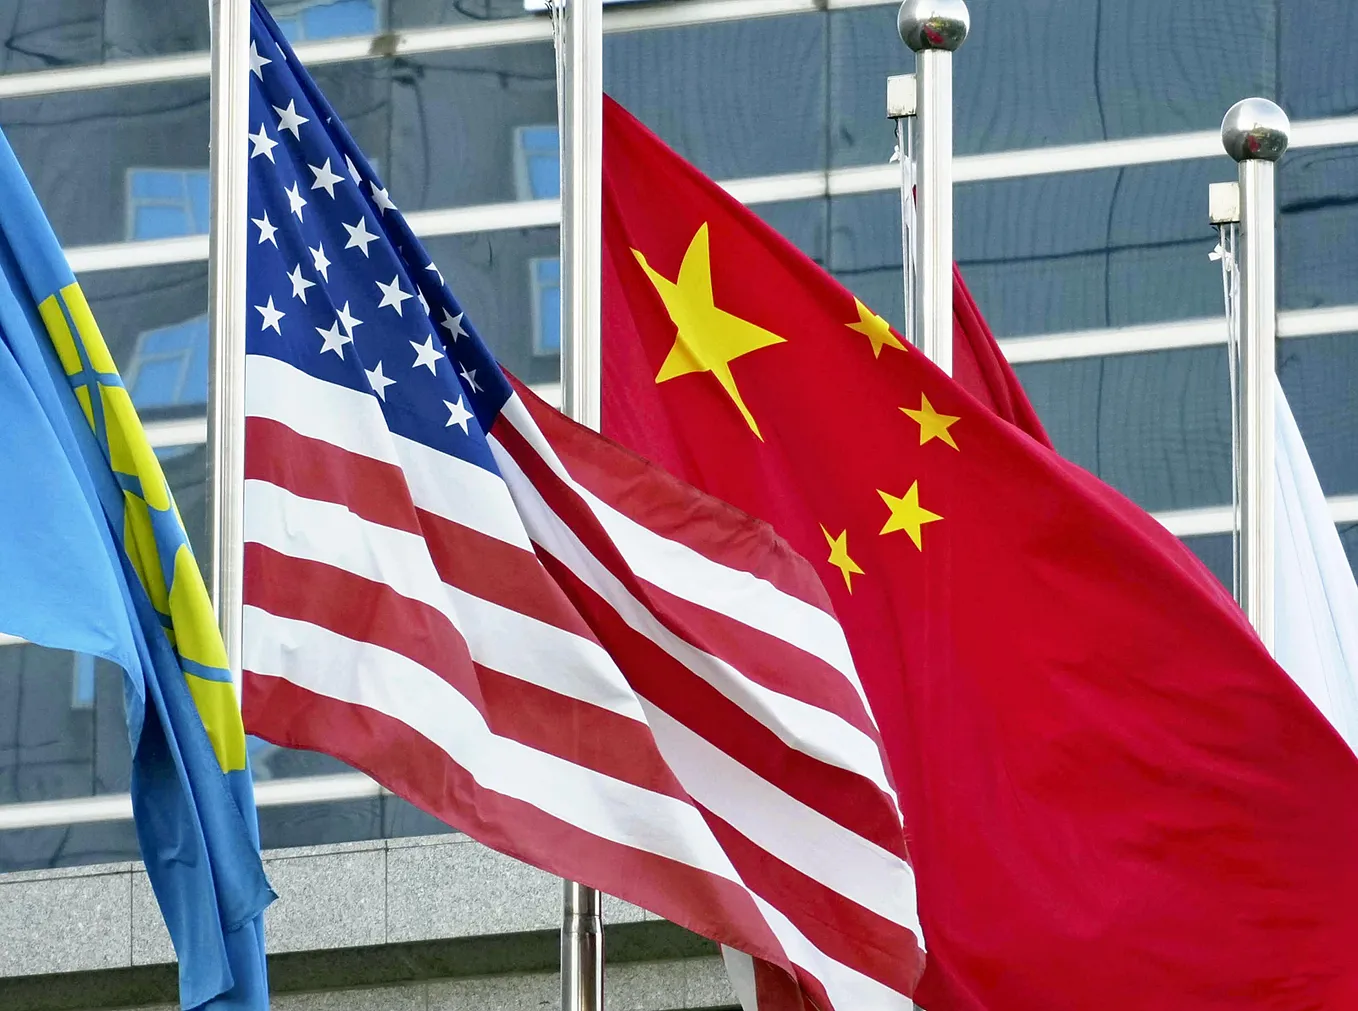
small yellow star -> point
(932, 425)
(875, 329)
(839, 556)
(907, 514)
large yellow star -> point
(709, 338)
(839, 556)
(875, 329)
(907, 514)
(932, 425)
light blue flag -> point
(94, 558)
(1316, 605)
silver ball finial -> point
(933, 24)
(1255, 129)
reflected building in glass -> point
(1086, 137)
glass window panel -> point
(1320, 377)
(428, 13)
(1081, 250)
(1315, 44)
(156, 317)
(1055, 72)
(1215, 552)
(492, 275)
(68, 845)
(443, 127)
(1156, 426)
(43, 34)
(77, 149)
(157, 184)
(740, 98)
(161, 221)
(1348, 535)
(1318, 230)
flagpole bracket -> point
(900, 96)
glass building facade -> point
(1086, 139)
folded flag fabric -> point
(1112, 794)
(519, 626)
(95, 559)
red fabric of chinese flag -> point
(1114, 798)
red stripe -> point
(776, 990)
(502, 573)
(477, 563)
(322, 471)
(815, 682)
(844, 797)
(360, 609)
(413, 767)
(670, 507)
(839, 927)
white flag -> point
(1317, 598)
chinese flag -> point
(1114, 798)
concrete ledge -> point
(401, 911)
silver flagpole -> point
(1254, 133)
(934, 29)
(230, 90)
(582, 948)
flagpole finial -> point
(933, 24)
(1254, 129)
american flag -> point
(523, 629)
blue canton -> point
(338, 285)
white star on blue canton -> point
(453, 324)
(437, 273)
(426, 354)
(353, 172)
(381, 199)
(469, 377)
(299, 283)
(349, 321)
(271, 317)
(392, 294)
(359, 235)
(319, 261)
(325, 178)
(295, 201)
(424, 303)
(263, 144)
(266, 229)
(290, 119)
(457, 415)
(334, 340)
(378, 381)
(257, 62)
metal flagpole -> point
(230, 91)
(582, 949)
(1254, 133)
(934, 29)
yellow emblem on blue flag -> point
(152, 532)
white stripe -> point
(498, 637)
(740, 971)
(438, 482)
(678, 569)
(361, 674)
(810, 729)
(848, 989)
(783, 826)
